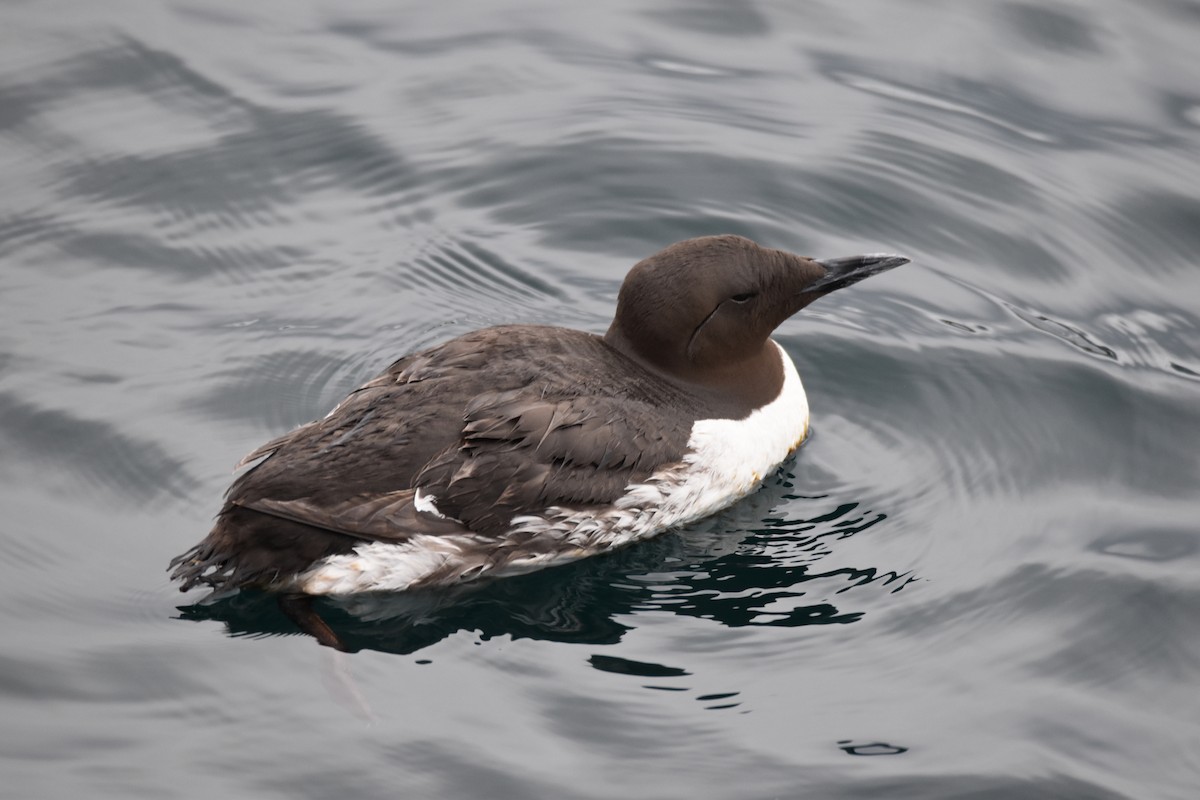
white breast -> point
(726, 460)
(729, 458)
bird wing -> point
(521, 452)
(533, 441)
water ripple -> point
(277, 390)
(1070, 334)
(998, 105)
(465, 268)
(94, 453)
(221, 218)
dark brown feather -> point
(489, 424)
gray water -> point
(981, 576)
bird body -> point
(519, 447)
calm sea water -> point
(980, 578)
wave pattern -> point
(978, 573)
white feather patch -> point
(427, 504)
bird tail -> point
(247, 548)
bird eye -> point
(741, 298)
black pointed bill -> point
(842, 272)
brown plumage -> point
(524, 443)
(512, 420)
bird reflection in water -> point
(749, 565)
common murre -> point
(515, 448)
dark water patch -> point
(125, 63)
(976, 786)
(21, 231)
(98, 745)
(1056, 29)
(234, 164)
(1157, 231)
(18, 104)
(737, 18)
(108, 378)
(91, 453)
(245, 177)
(626, 666)
(320, 780)
(1183, 109)
(1184, 10)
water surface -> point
(980, 577)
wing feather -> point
(535, 439)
